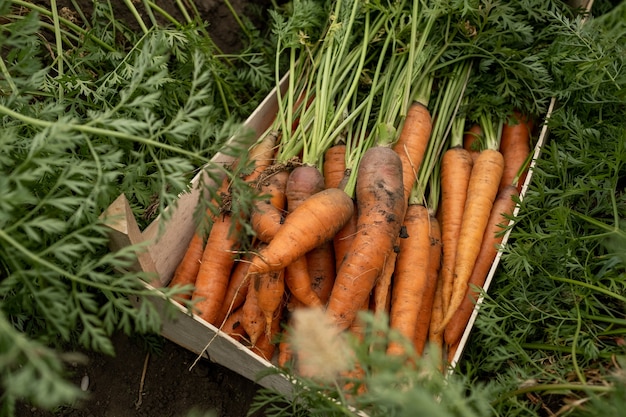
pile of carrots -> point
(399, 212)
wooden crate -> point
(166, 251)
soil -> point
(169, 389)
(139, 382)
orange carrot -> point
(435, 339)
(285, 353)
(410, 283)
(321, 265)
(188, 268)
(268, 214)
(456, 167)
(334, 166)
(215, 270)
(515, 148)
(270, 289)
(252, 319)
(381, 207)
(299, 283)
(481, 193)
(412, 142)
(314, 222)
(502, 209)
(434, 264)
(343, 238)
(232, 326)
(472, 140)
(303, 182)
(381, 299)
(237, 289)
(265, 346)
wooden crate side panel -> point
(203, 339)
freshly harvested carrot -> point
(381, 207)
(321, 264)
(410, 284)
(515, 148)
(432, 281)
(381, 300)
(472, 140)
(299, 283)
(189, 267)
(270, 289)
(334, 166)
(500, 213)
(314, 222)
(233, 327)
(412, 142)
(481, 193)
(456, 167)
(215, 270)
(435, 339)
(187, 270)
(262, 155)
(285, 353)
(303, 182)
(265, 346)
(268, 214)
(253, 319)
(343, 238)
(236, 290)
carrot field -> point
(347, 243)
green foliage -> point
(554, 319)
(113, 111)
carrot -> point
(515, 148)
(262, 155)
(472, 140)
(412, 142)
(432, 281)
(268, 214)
(233, 327)
(343, 238)
(381, 207)
(481, 193)
(314, 222)
(303, 182)
(299, 283)
(187, 270)
(270, 289)
(237, 289)
(285, 353)
(252, 319)
(218, 259)
(381, 300)
(334, 166)
(189, 267)
(456, 167)
(411, 276)
(502, 209)
(265, 346)
(435, 339)
(410, 147)
(321, 266)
